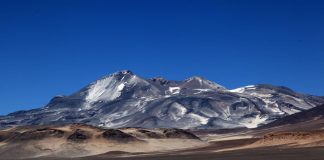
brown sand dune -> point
(79, 141)
(82, 140)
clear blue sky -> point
(51, 47)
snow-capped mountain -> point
(124, 99)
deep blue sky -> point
(51, 47)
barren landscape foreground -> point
(304, 140)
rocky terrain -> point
(314, 115)
(124, 99)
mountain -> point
(124, 99)
(310, 117)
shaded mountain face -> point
(311, 116)
(124, 99)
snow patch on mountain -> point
(174, 90)
(200, 119)
(177, 111)
(254, 122)
(202, 90)
(242, 89)
(107, 89)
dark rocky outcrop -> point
(150, 134)
(179, 133)
(79, 136)
(117, 135)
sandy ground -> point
(251, 145)
(217, 137)
(95, 144)
(208, 153)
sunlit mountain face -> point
(124, 99)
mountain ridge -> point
(123, 99)
(313, 114)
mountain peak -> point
(160, 80)
(196, 78)
(109, 87)
(123, 72)
(202, 83)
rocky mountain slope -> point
(124, 99)
(312, 116)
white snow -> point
(242, 89)
(260, 95)
(290, 111)
(250, 87)
(120, 87)
(202, 90)
(201, 119)
(237, 90)
(177, 111)
(180, 108)
(253, 123)
(106, 89)
(272, 105)
(174, 90)
(85, 106)
(110, 88)
(115, 124)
